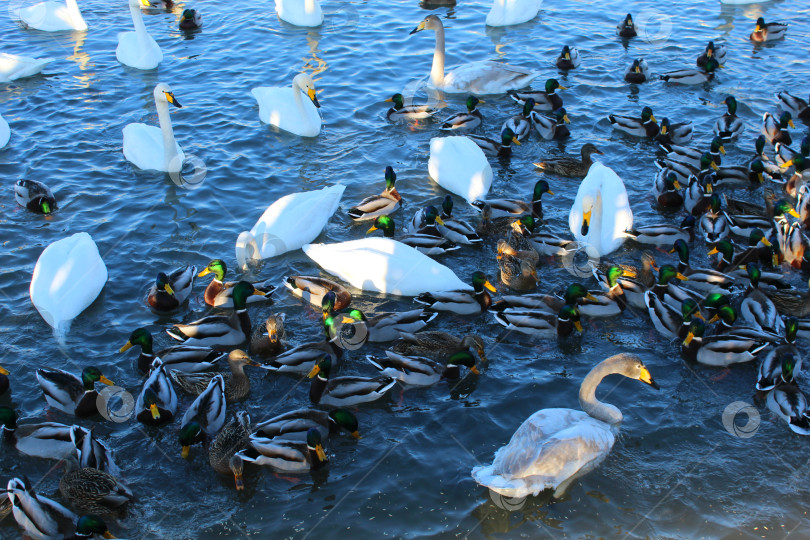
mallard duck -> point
(704, 280)
(48, 440)
(425, 221)
(678, 133)
(729, 126)
(779, 366)
(294, 425)
(712, 51)
(775, 131)
(231, 439)
(544, 100)
(438, 345)
(69, 393)
(491, 147)
(5, 384)
(741, 176)
(540, 323)
(736, 206)
(428, 241)
(632, 288)
(270, 340)
(35, 196)
(729, 326)
(796, 106)
(220, 330)
(383, 204)
(289, 456)
(784, 154)
(645, 126)
(314, 288)
(668, 321)
(465, 120)
(302, 358)
(790, 302)
(422, 371)
(666, 189)
(569, 165)
(698, 196)
(400, 111)
(610, 303)
(719, 350)
(521, 125)
(713, 224)
(637, 72)
(663, 234)
(803, 206)
(574, 295)
(344, 391)
(794, 245)
(692, 156)
(789, 403)
(94, 491)
(204, 417)
(626, 28)
(552, 126)
(180, 357)
(684, 170)
(219, 293)
(170, 291)
(756, 307)
(388, 326)
(554, 447)
(461, 302)
(768, 31)
(569, 58)
(455, 230)
(157, 402)
(518, 269)
(237, 386)
(515, 207)
(191, 19)
(669, 292)
(692, 76)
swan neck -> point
(169, 145)
(587, 396)
(437, 70)
(73, 7)
(309, 6)
(137, 22)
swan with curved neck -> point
(286, 109)
(138, 49)
(553, 447)
(152, 148)
(53, 16)
(484, 77)
(300, 12)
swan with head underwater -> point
(153, 148)
(553, 447)
(287, 110)
(138, 49)
(484, 77)
(601, 212)
(52, 16)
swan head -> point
(163, 92)
(431, 22)
(304, 82)
(247, 249)
(384, 224)
(140, 4)
(632, 367)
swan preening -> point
(138, 49)
(459, 165)
(286, 109)
(152, 148)
(484, 77)
(601, 212)
(553, 447)
(13, 67)
(52, 16)
(506, 12)
(300, 12)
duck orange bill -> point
(106, 381)
(315, 371)
(652, 117)
(712, 251)
(722, 149)
(474, 369)
(663, 128)
(389, 100)
(258, 292)
(313, 97)
(714, 166)
(185, 452)
(791, 124)
(153, 408)
(645, 377)
(320, 452)
(591, 297)
(775, 260)
(372, 229)
(4, 371)
(794, 213)
(629, 273)
(714, 319)
(108, 534)
(765, 241)
(126, 346)
(240, 484)
(689, 337)
(681, 277)
(699, 315)
(169, 289)
(356, 435)
(489, 286)
(709, 189)
(204, 272)
(516, 141)
(787, 164)
(578, 326)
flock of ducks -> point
(739, 310)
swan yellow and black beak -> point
(313, 97)
(419, 28)
(586, 223)
(171, 99)
(645, 377)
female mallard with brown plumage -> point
(438, 345)
(232, 438)
(237, 386)
(269, 342)
(518, 269)
(569, 165)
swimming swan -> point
(384, 265)
(138, 49)
(459, 165)
(289, 223)
(506, 12)
(5, 132)
(485, 77)
(152, 148)
(285, 109)
(52, 16)
(300, 12)
(13, 67)
(553, 447)
(601, 212)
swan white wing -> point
(279, 107)
(459, 165)
(551, 446)
(5, 132)
(487, 77)
(13, 67)
(51, 17)
(139, 54)
(143, 147)
(384, 265)
(67, 278)
(611, 215)
(300, 12)
(506, 12)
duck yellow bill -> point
(689, 337)
(474, 369)
(389, 100)
(240, 484)
(663, 128)
(791, 124)
(590, 297)
(676, 184)
(787, 164)
(153, 408)
(709, 189)
(681, 277)
(489, 286)
(516, 141)
(714, 166)
(565, 119)
(204, 272)
(765, 241)
(371, 230)
(645, 377)
(108, 534)
(652, 117)
(578, 326)
(794, 213)
(169, 289)
(713, 251)
(315, 371)
(185, 452)
(714, 319)
(439, 220)
(722, 149)
(629, 273)
(320, 452)
(4, 371)
(258, 292)
(126, 347)
(356, 435)
(699, 315)
(106, 381)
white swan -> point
(300, 12)
(484, 77)
(459, 165)
(506, 12)
(52, 16)
(67, 278)
(384, 265)
(152, 148)
(13, 67)
(5, 132)
(601, 212)
(285, 109)
(289, 223)
(553, 447)
(138, 49)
